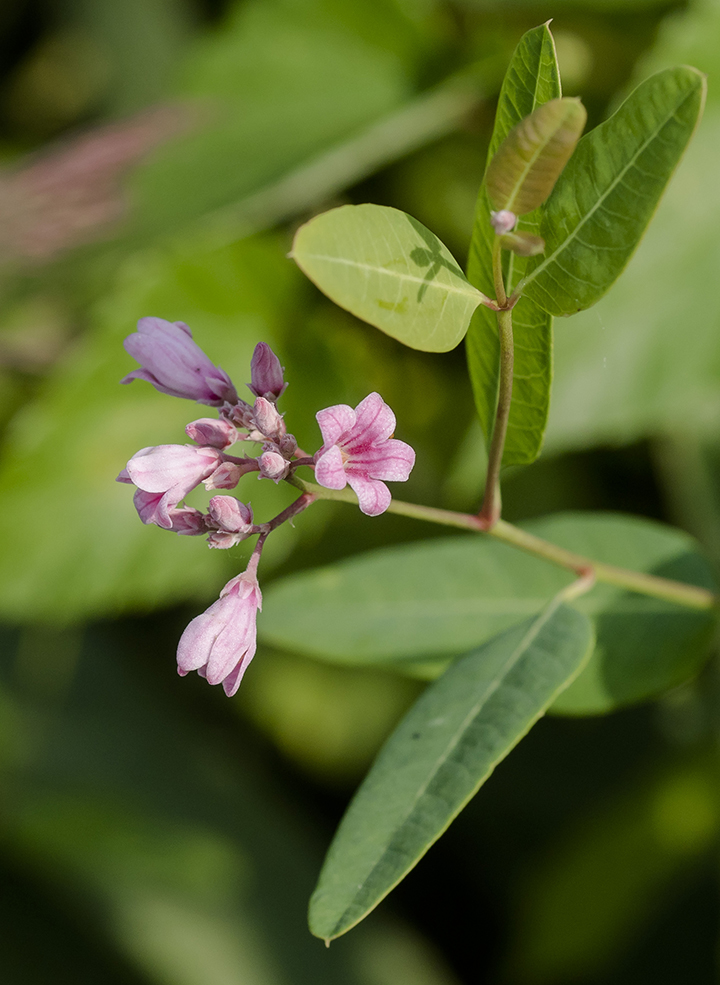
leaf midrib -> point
(588, 215)
(469, 291)
(522, 647)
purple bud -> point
(188, 522)
(220, 643)
(503, 221)
(267, 420)
(266, 373)
(230, 514)
(273, 466)
(216, 433)
(174, 364)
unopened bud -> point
(266, 373)
(225, 476)
(267, 419)
(503, 221)
(522, 243)
(208, 431)
(273, 466)
(230, 514)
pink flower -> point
(174, 364)
(167, 473)
(266, 373)
(359, 451)
(220, 643)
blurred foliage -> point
(152, 832)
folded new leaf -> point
(523, 244)
(527, 164)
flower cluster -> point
(358, 450)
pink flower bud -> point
(267, 420)
(266, 373)
(230, 514)
(208, 431)
(503, 221)
(227, 475)
(273, 466)
(359, 451)
(174, 364)
(168, 473)
(220, 643)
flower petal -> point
(373, 496)
(392, 461)
(330, 469)
(375, 423)
(334, 422)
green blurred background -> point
(156, 157)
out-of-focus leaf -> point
(441, 753)
(526, 166)
(166, 841)
(532, 78)
(422, 601)
(82, 549)
(275, 84)
(585, 902)
(388, 269)
(609, 191)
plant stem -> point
(490, 511)
(679, 592)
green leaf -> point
(532, 79)
(388, 269)
(644, 645)
(527, 164)
(428, 601)
(610, 189)
(441, 753)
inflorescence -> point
(358, 450)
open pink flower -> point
(359, 451)
(166, 474)
(220, 643)
(174, 364)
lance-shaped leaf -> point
(608, 193)
(532, 78)
(441, 753)
(527, 164)
(388, 269)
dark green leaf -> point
(609, 191)
(532, 79)
(439, 756)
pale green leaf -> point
(441, 753)
(610, 189)
(428, 601)
(388, 269)
(532, 79)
